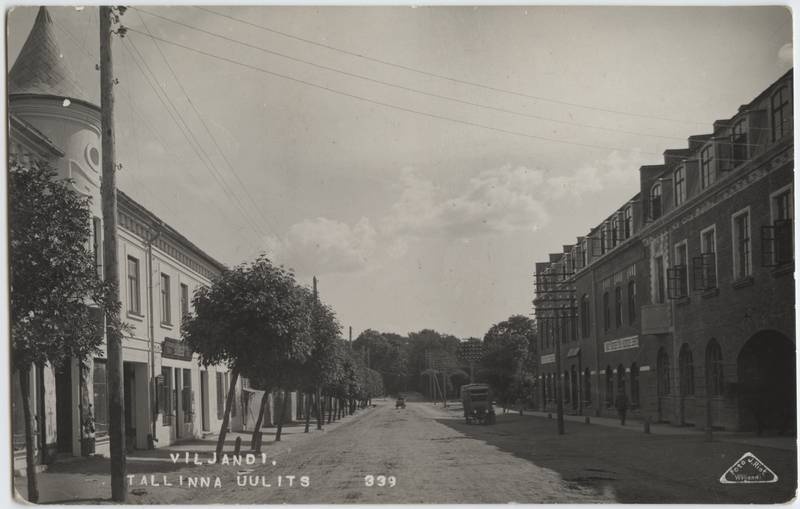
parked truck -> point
(477, 402)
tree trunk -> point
(308, 402)
(30, 460)
(226, 418)
(255, 441)
(281, 414)
(318, 402)
(330, 408)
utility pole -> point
(108, 193)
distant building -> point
(168, 397)
(683, 299)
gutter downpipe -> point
(153, 234)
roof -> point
(40, 68)
(35, 136)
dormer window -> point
(615, 237)
(679, 185)
(655, 201)
(603, 239)
(781, 113)
(739, 142)
(627, 222)
(707, 174)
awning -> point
(574, 352)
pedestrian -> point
(622, 406)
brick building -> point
(683, 298)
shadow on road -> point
(636, 467)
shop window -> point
(166, 406)
(187, 397)
(620, 379)
(714, 373)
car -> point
(400, 403)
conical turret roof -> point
(40, 67)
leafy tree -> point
(509, 361)
(253, 319)
(57, 296)
(325, 330)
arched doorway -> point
(766, 380)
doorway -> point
(64, 408)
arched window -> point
(662, 368)
(620, 379)
(634, 385)
(587, 388)
(609, 387)
(585, 317)
(714, 375)
(655, 201)
(686, 370)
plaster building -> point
(168, 396)
(683, 299)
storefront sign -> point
(176, 349)
(621, 344)
(549, 358)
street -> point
(432, 456)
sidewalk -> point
(87, 480)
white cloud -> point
(615, 170)
(325, 246)
(499, 200)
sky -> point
(418, 161)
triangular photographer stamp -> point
(748, 470)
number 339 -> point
(380, 481)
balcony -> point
(656, 319)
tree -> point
(509, 362)
(57, 295)
(253, 319)
(325, 330)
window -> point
(686, 371)
(679, 185)
(615, 233)
(782, 223)
(655, 201)
(741, 245)
(677, 276)
(609, 387)
(705, 266)
(620, 379)
(134, 303)
(187, 396)
(739, 142)
(714, 375)
(781, 113)
(634, 385)
(618, 306)
(100, 400)
(166, 403)
(184, 301)
(584, 249)
(627, 222)
(97, 244)
(662, 367)
(585, 317)
(707, 173)
(631, 301)
(220, 396)
(606, 312)
(166, 311)
(603, 239)
(658, 279)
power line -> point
(205, 126)
(442, 76)
(385, 104)
(397, 86)
(207, 162)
